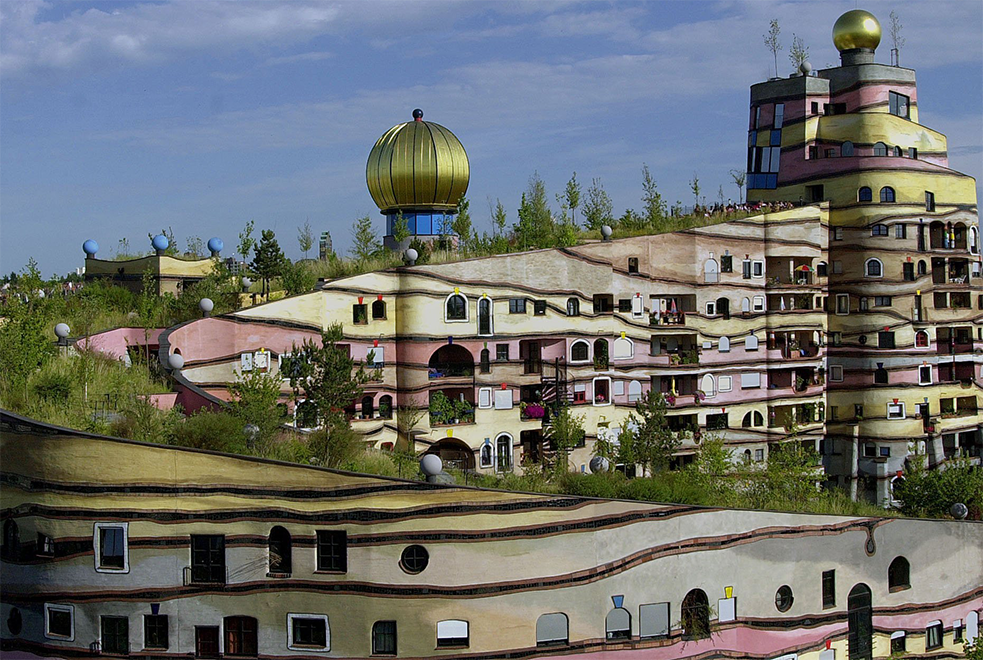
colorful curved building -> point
(904, 258)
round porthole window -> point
(783, 598)
(414, 559)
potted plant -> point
(670, 399)
(534, 411)
(442, 409)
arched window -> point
(280, 550)
(751, 343)
(860, 627)
(753, 419)
(878, 230)
(503, 452)
(921, 339)
(579, 351)
(846, 149)
(486, 457)
(898, 575)
(723, 307)
(724, 344)
(552, 630)
(601, 353)
(708, 385)
(880, 149)
(865, 194)
(887, 194)
(922, 268)
(368, 407)
(485, 316)
(974, 239)
(897, 152)
(484, 361)
(378, 310)
(747, 455)
(617, 624)
(711, 271)
(456, 308)
(11, 539)
(573, 307)
(386, 406)
(873, 268)
(624, 349)
(634, 391)
(745, 305)
(695, 615)
(384, 638)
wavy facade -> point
(904, 280)
(188, 553)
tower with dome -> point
(417, 172)
(904, 257)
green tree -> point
(739, 177)
(246, 240)
(499, 218)
(26, 341)
(535, 228)
(305, 238)
(365, 243)
(598, 210)
(327, 376)
(461, 225)
(694, 185)
(196, 247)
(254, 399)
(933, 492)
(565, 432)
(572, 196)
(798, 53)
(297, 278)
(655, 441)
(772, 41)
(787, 480)
(631, 220)
(269, 259)
(401, 228)
(654, 207)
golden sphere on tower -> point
(417, 165)
(856, 29)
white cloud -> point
(313, 56)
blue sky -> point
(120, 118)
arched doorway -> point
(860, 625)
(723, 307)
(695, 614)
(453, 453)
(484, 316)
(451, 360)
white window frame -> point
(711, 308)
(757, 269)
(246, 362)
(580, 341)
(836, 373)
(467, 637)
(498, 467)
(637, 306)
(751, 343)
(745, 305)
(290, 632)
(708, 379)
(491, 455)
(97, 546)
(59, 608)
(927, 367)
(758, 305)
(477, 314)
(593, 391)
(614, 352)
(633, 397)
(500, 400)
(725, 383)
(467, 309)
(900, 414)
(491, 398)
(842, 296)
(376, 362)
(867, 267)
(723, 344)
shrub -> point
(53, 386)
(206, 429)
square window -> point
(758, 304)
(842, 303)
(332, 550)
(758, 269)
(746, 269)
(632, 264)
(925, 374)
(59, 622)
(837, 268)
(517, 305)
(206, 641)
(539, 308)
(115, 636)
(155, 631)
(360, 314)
(208, 558)
(308, 632)
(870, 450)
(750, 380)
(837, 233)
(711, 309)
(759, 455)
(895, 410)
(727, 263)
(882, 301)
(898, 644)
(901, 230)
(501, 352)
(624, 305)
(109, 546)
(453, 634)
(898, 104)
(885, 339)
(653, 620)
(725, 383)
(933, 636)
(884, 452)
(836, 373)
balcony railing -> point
(450, 370)
(667, 318)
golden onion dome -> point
(856, 29)
(417, 165)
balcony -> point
(786, 272)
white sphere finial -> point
(62, 330)
(410, 256)
(606, 232)
(206, 305)
(175, 361)
(431, 465)
(805, 68)
(599, 464)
